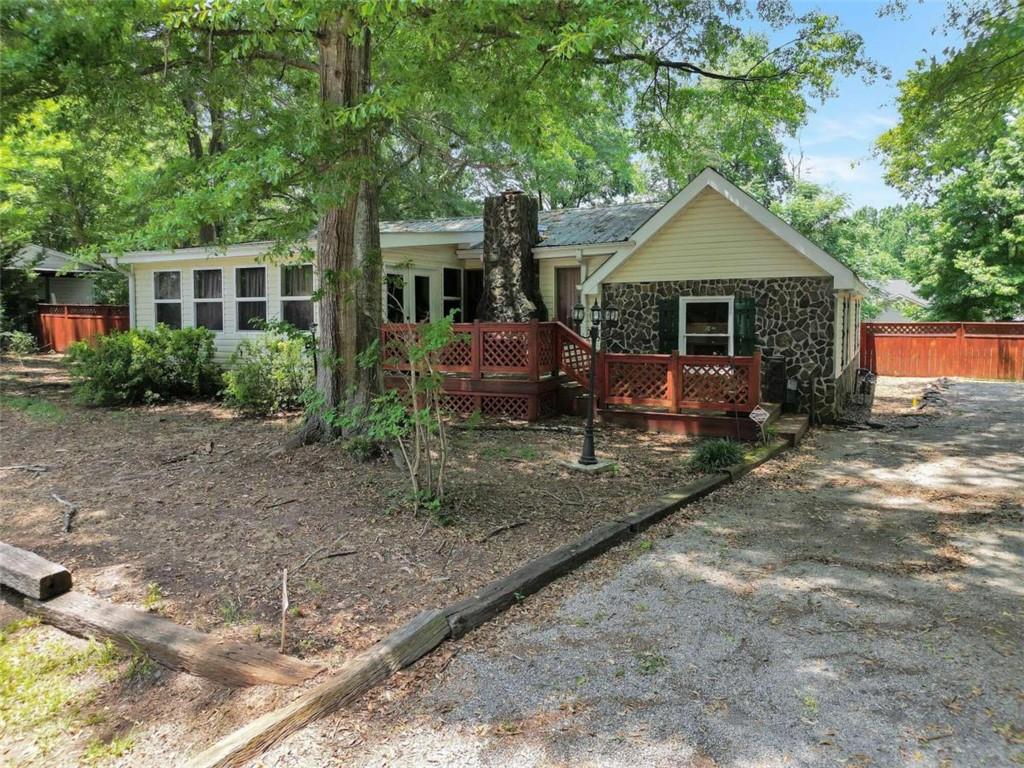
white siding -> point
(429, 260)
(712, 238)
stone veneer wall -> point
(794, 318)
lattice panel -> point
(458, 354)
(637, 381)
(912, 329)
(714, 383)
(512, 406)
(547, 405)
(575, 361)
(393, 349)
(505, 349)
(994, 329)
(460, 404)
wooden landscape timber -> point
(170, 644)
(29, 574)
(399, 649)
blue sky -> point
(837, 141)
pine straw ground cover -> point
(191, 511)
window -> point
(167, 298)
(421, 298)
(297, 296)
(705, 325)
(395, 297)
(251, 291)
(209, 298)
(452, 297)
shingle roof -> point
(42, 259)
(559, 227)
(583, 226)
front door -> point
(567, 295)
(407, 297)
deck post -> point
(477, 344)
(674, 383)
(754, 382)
(601, 361)
(533, 349)
(556, 348)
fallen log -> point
(171, 644)
(30, 575)
(399, 649)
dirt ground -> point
(856, 603)
(191, 511)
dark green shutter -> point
(744, 335)
(668, 325)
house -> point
(711, 272)
(59, 281)
(898, 298)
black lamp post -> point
(608, 317)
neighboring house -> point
(59, 283)
(710, 272)
(897, 298)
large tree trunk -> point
(348, 242)
(511, 282)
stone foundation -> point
(794, 318)
(832, 395)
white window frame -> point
(308, 298)
(178, 301)
(195, 301)
(462, 290)
(409, 291)
(239, 299)
(684, 300)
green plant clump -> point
(144, 366)
(17, 343)
(268, 375)
(715, 454)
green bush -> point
(268, 375)
(142, 366)
(715, 454)
(17, 343)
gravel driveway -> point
(858, 603)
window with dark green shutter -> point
(668, 325)
(744, 326)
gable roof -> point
(42, 259)
(843, 276)
(901, 290)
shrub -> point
(268, 375)
(718, 453)
(17, 343)
(144, 366)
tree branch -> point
(680, 66)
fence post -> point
(476, 345)
(674, 377)
(961, 352)
(556, 349)
(533, 349)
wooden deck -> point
(522, 371)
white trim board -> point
(843, 276)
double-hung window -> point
(167, 297)
(297, 296)
(251, 295)
(705, 325)
(208, 298)
(452, 297)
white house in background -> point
(709, 272)
(896, 297)
(59, 282)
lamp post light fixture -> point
(600, 317)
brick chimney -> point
(511, 277)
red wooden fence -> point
(971, 350)
(60, 325)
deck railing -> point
(677, 382)
(540, 349)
